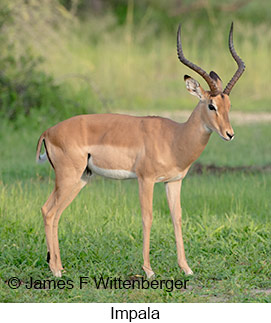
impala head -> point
(215, 103)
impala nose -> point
(230, 135)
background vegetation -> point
(62, 57)
(67, 57)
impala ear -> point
(194, 87)
(217, 79)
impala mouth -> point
(228, 136)
(225, 138)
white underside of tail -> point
(42, 158)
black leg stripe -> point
(48, 256)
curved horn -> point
(240, 63)
(194, 67)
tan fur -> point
(155, 149)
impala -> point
(150, 149)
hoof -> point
(56, 273)
(149, 272)
(188, 271)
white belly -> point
(170, 179)
(110, 173)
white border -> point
(101, 312)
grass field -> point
(226, 228)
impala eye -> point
(211, 107)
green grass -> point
(226, 228)
(226, 231)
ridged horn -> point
(194, 67)
(240, 63)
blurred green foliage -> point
(64, 57)
(167, 13)
(25, 88)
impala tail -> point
(41, 158)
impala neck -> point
(194, 135)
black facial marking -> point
(211, 107)
(48, 257)
(222, 95)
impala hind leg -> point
(72, 192)
(61, 197)
(173, 190)
(69, 180)
(46, 207)
(146, 197)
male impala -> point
(151, 149)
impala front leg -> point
(173, 190)
(146, 197)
